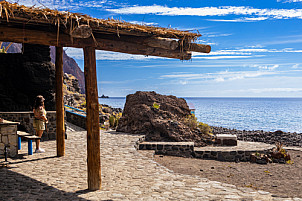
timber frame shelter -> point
(21, 24)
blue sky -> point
(256, 47)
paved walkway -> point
(127, 174)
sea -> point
(267, 114)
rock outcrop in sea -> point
(160, 118)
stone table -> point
(9, 137)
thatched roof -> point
(35, 16)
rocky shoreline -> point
(287, 138)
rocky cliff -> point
(70, 66)
(159, 117)
(72, 92)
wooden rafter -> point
(48, 38)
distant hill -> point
(70, 66)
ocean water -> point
(268, 114)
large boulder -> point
(159, 117)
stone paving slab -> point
(126, 175)
(241, 146)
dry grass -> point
(37, 16)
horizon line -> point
(210, 97)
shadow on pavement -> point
(15, 186)
(11, 161)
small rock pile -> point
(107, 112)
(160, 118)
(277, 155)
(288, 139)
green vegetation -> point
(205, 128)
(114, 119)
(192, 123)
(156, 106)
(4, 49)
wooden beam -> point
(164, 43)
(60, 103)
(18, 35)
(199, 48)
(92, 120)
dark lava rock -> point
(159, 117)
(24, 76)
(288, 139)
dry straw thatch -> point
(67, 21)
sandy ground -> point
(284, 180)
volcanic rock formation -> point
(159, 117)
(25, 75)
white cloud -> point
(255, 18)
(275, 90)
(266, 67)
(261, 50)
(223, 57)
(295, 66)
(289, 1)
(217, 35)
(183, 82)
(77, 53)
(219, 76)
(144, 23)
(221, 52)
(253, 13)
(247, 19)
(219, 79)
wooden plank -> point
(92, 120)
(9, 34)
(22, 133)
(60, 130)
(31, 137)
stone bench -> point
(29, 137)
(226, 140)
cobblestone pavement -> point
(127, 174)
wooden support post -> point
(92, 120)
(60, 103)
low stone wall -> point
(8, 136)
(26, 122)
(76, 119)
(230, 156)
(242, 152)
(183, 149)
